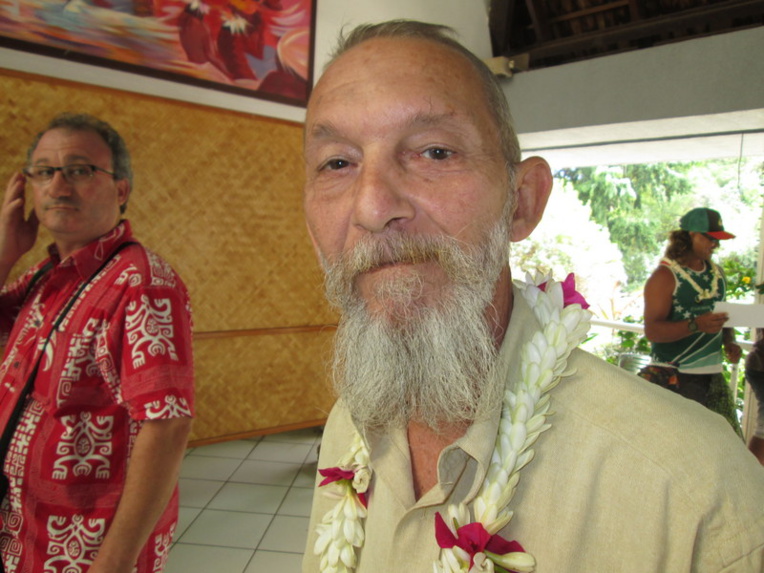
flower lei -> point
(469, 539)
(703, 294)
(341, 529)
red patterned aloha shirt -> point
(121, 356)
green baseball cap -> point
(703, 220)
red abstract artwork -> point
(261, 48)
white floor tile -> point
(297, 502)
(255, 498)
(203, 467)
(288, 534)
(273, 562)
(268, 473)
(227, 529)
(307, 475)
(186, 516)
(198, 559)
(281, 452)
(245, 505)
(198, 492)
(236, 449)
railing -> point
(749, 410)
(640, 328)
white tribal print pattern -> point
(173, 407)
(84, 447)
(149, 324)
(73, 542)
(78, 355)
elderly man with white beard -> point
(469, 433)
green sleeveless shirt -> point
(699, 353)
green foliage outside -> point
(740, 272)
(636, 203)
(626, 342)
(741, 279)
(640, 204)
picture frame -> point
(258, 48)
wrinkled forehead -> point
(72, 143)
(401, 71)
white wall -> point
(468, 18)
(712, 86)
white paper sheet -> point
(751, 315)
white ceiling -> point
(676, 139)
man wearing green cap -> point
(687, 335)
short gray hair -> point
(120, 156)
(496, 101)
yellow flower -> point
(746, 280)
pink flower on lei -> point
(569, 293)
(343, 476)
(474, 539)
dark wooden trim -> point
(499, 22)
(652, 26)
(263, 331)
(589, 11)
(538, 13)
(253, 433)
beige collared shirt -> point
(630, 478)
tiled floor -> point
(245, 505)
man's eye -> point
(335, 164)
(438, 153)
(44, 172)
(78, 170)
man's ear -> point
(533, 182)
(123, 190)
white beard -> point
(413, 361)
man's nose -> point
(59, 186)
(382, 197)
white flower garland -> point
(523, 419)
(341, 529)
(703, 294)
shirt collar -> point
(90, 257)
(480, 439)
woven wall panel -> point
(217, 194)
(256, 383)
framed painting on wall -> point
(259, 48)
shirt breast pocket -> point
(70, 372)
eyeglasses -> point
(74, 173)
(710, 238)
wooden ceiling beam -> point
(636, 10)
(707, 15)
(539, 19)
(500, 20)
(588, 11)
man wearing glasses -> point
(96, 385)
(687, 336)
